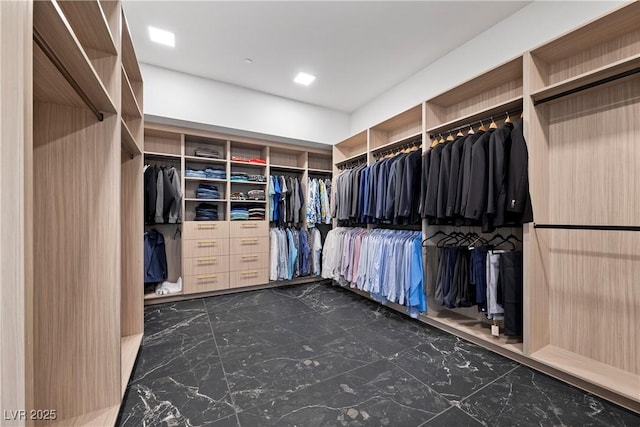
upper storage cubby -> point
(287, 160)
(596, 53)
(351, 149)
(158, 141)
(398, 130)
(75, 63)
(131, 83)
(244, 153)
(494, 93)
(320, 163)
(205, 150)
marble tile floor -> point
(318, 355)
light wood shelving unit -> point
(83, 301)
(171, 145)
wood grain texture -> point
(162, 142)
(129, 346)
(248, 229)
(49, 85)
(90, 24)
(289, 157)
(319, 161)
(193, 230)
(206, 265)
(403, 120)
(238, 279)
(206, 282)
(16, 123)
(77, 262)
(131, 243)
(249, 261)
(130, 105)
(128, 53)
(51, 24)
(247, 245)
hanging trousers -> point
(511, 283)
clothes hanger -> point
(460, 133)
(471, 132)
(482, 128)
(493, 124)
(439, 232)
(508, 119)
(450, 137)
(434, 142)
(522, 115)
(442, 140)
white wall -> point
(179, 96)
(531, 26)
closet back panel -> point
(162, 142)
(318, 161)
(77, 260)
(288, 158)
(594, 301)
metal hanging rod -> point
(415, 142)
(589, 227)
(588, 86)
(486, 120)
(40, 41)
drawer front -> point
(205, 230)
(248, 229)
(249, 261)
(206, 282)
(205, 247)
(239, 279)
(248, 245)
(206, 265)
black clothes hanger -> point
(438, 233)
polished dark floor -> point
(318, 355)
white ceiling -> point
(356, 49)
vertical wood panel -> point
(15, 158)
(77, 260)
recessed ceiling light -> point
(304, 79)
(161, 36)
(248, 61)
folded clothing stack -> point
(256, 195)
(239, 176)
(257, 214)
(211, 173)
(206, 212)
(238, 196)
(206, 191)
(208, 152)
(248, 160)
(257, 178)
(239, 213)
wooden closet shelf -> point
(129, 347)
(55, 36)
(249, 201)
(203, 159)
(153, 295)
(188, 178)
(128, 142)
(606, 376)
(193, 199)
(157, 154)
(130, 105)
(248, 164)
(248, 182)
(495, 111)
(129, 59)
(89, 24)
(584, 81)
(102, 417)
(322, 171)
(402, 120)
(287, 168)
(352, 158)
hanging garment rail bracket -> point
(65, 73)
(412, 143)
(588, 227)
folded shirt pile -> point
(206, 191)
(248, 160)
(256, 195)
(239, 176)
(210, 173)
(257, 178)
(208, 153)
(257, 214)
(239, 213)
(206, 212)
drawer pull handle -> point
(206, 260)
(207, 242)
(207, 226)
(249, 273)
(209, 276)
(249, 257)
(249, 240)
(249, 225)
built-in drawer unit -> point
(243, 262)
(206, 265)
(248, 245)
(248, 229)
(206, 282)
(252, 277)
(205, 230)
(205, 247)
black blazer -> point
(454, 171)
(499, 146)
(476, 202)
(431, 199)
(518, 206)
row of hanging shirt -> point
(386, 263)
(477, 179)
(487, 275)
(162, 195)
(383, 193)
(286, 198)
(318, 204)
(294, 253)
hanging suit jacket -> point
(443, 180)
(475, 205)
(456, 153)
(431, 198)
(499, 146)
(465, 173)
(424, 182)
(519, 208)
